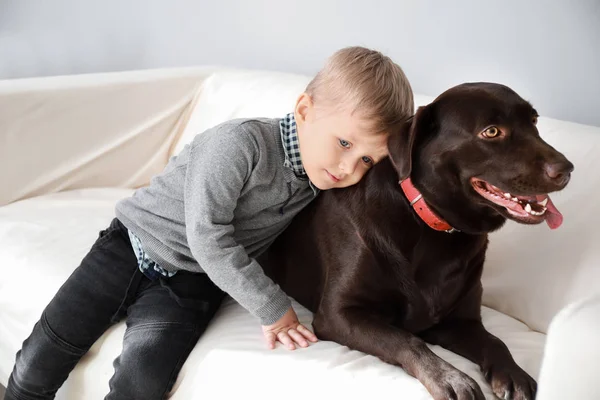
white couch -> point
(70, 147)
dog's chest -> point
(434, 283)
(427, 306)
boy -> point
(179, 245)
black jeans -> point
(165, 319)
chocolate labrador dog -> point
(396, 260)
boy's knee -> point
(150, 361)
(43, 364)
(135, 378)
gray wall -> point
(549, 51)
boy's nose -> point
(348, 166)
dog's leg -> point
(361, 330)
(469, 339)
(463, 333)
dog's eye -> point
(491, 132)
(535, 119)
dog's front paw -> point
(450, 383)
(511, 382)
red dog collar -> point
(422, 209)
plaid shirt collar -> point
(289, 138)
(291, 147)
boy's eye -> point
(367, 160)
(344, 143)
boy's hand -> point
(288, 331)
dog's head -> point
(476, 155)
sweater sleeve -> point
(218, 167)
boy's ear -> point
(304, 105)
(401, 145)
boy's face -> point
(336, 147)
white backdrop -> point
(548, 50)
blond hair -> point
(367, 81)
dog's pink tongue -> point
(554, 218)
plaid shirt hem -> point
(148, 267)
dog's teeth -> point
(544, 202)
(528, 208)
(538, 213)
(514, 199)
(507, 195)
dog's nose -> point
(559, 172)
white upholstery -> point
(572, 353)
(72, 146)
(70, 132)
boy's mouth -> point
(333, 177)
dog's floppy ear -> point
(400, 145)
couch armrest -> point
(569, 368)
(96, 130)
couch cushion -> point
(234, 93)
(44, 238)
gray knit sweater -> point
(219, 204)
